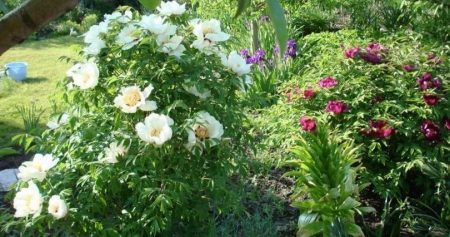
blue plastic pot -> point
(16, 70)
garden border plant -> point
(153, 135)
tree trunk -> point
(17, 25)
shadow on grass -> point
(50, 43)
(7, 131)
(34, 80)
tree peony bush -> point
(154, 133)
(397, 115)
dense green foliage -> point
(172, 188)
(398, 162)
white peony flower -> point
(131, 98)
(84, 75)
(171, 45)
(57, 121)
(57, 207)
(112, 16)
(112, 152)
(155, 24)
(95, 47)
(155, 129)
(171, 8)
(236, 63)
(126, 17)
(28, 201)
(208, 33)
(37, 168)
(205, 127)
(93, 34)
(74, 69)
(128, 37)
(205, 93)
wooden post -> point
(28, 18)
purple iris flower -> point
(291, 49)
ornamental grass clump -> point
(154, 133)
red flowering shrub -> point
(392, 98)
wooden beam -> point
(28, 18)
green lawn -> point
(44, 72)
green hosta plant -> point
(154, 133)
(325, 172)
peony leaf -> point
(276, 14)
(150, 4)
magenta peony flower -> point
(386, 132)
(351, 52)
(373, 53)
(379, 128)
(327, 82)
(431, 99)
(336, 107)
(430, 130)
(372, 58)
(408, 67)
(307, 124)
(375, 48)
(309, 93)
(426, 81)
(447, 123)
(436, 83)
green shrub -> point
(310, 18)
(380, 105)
(155, 133)
(65, 27)
(88, 21)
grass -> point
(44, 73)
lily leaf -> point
(6, 151)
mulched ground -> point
(10, 162)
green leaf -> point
(6, 151)
(353, 229)
(242, 5)
(306, 218)
(150, 4)
(310, 229)
(366, 209)
(276, 14)
(349, 203)
(3, 7)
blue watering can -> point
(16, 70)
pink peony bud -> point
(307, 124)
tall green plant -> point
(31, 116)
(325, 171)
